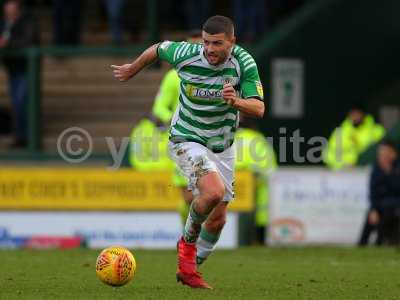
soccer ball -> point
(115, 266)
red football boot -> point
(187, 273)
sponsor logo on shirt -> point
(203, 93)
(260, 90)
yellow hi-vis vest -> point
(347, 142)
(254, 153)
(167, 98)
(149, 148)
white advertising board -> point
(315, 206)
(287, 88)
(102, 229)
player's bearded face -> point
(217, 47)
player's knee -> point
(215, 195)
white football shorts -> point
(195, 160)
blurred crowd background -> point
(64, 22)
(329, 70)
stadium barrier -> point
(99, 229)
(101, 189)
(60, 207)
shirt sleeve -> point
(250, 84)
(167, 51)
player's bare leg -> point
(211, 192)
(187, 196)
(184, 206)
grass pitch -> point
(246, 273)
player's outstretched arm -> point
(127, 71)
(250, 106)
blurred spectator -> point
(67, 22)
(149, 144)
(17, 31)
(357, 132)
(384, 212)
(114, 11)
(250, 19)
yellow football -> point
(115, 266)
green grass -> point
(246, 273)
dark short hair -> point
(219, 24)
(389, 143)
(359, 105)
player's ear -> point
(231, 37)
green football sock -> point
(192, 227)
(206, 244)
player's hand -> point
(373, 217)
(229, 94)
(122, 73)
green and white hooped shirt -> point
(202, 115)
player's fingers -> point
(228, 94)
(227, 85)
(115, 67)
(228, 90)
